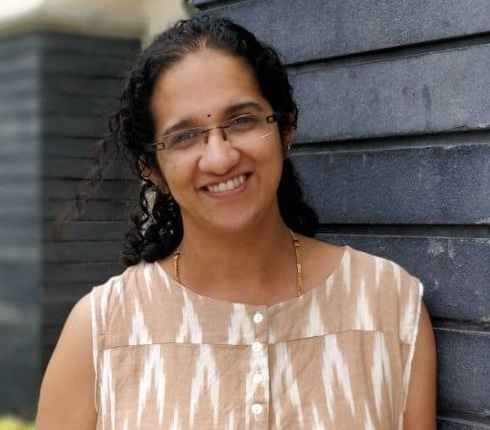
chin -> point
(233, 228)
(234, 224)
(232, 220)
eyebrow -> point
(230, 110)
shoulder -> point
(112, 293)
(358, 267)
(126, 303)
(395, 294)
(78, 321)
(381, 272)
(119, 290)
(371, 292)
(69, 379)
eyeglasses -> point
(238, 130)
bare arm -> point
(420, 412)
(67, 391)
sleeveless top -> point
(338, 357)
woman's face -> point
(220, 185)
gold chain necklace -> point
(297, 255)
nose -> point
(219, 156)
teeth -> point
(229, 185)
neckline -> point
(308, 291)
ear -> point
(153, 175)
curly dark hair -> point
(157, 226)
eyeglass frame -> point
(270, 119)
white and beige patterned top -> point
(338, 357)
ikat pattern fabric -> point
(338, 357)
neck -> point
(247, 266)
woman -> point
(230, 315)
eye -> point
(243, 121)
(183, 138)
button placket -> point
(257, 378)
(259, 375)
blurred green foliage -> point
(9, 422)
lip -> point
(230, 193)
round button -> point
(256, 346)
(257, 378)
(258, 318)
(257, 409)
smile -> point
(228, 185)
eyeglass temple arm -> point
(271, 118)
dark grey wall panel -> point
(458, 424)
(12, 190)
(78, 251)
(22, 85)
(25, 130)
(433, 92)
(86, 46)
(91, 273)
(309, 30)
(96, 107)
(91, 230)
(17, 168)
(75, 65)
(66, 189)
(55, 93)
(463, 370)
(81, 127)
(203, 3)
(72, 168)
(399, 186)
(95, 210)
(20, 173)
(19, 358)
(56, 311)
(455, 271)
(19, 250)
(20, 64)
(16, 287)
(68, 290)
(11, 147)
(18, 232)
(20, 43)
(66, 147)
(80, 86)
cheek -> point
(276, 158)
(175, 173)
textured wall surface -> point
(20, 225)
(56, 91)
(393, 149)
(81, 79)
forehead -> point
(203, 83)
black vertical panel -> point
(82, 78)
(19, 222)
(56, 91)
(393, 147)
